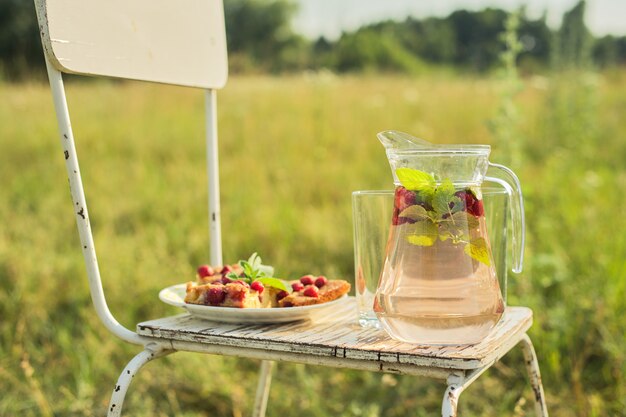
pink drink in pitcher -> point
(439, 283)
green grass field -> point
(292, 150)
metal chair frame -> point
(52, 15)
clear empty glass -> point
(371, 211)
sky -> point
(330, 17)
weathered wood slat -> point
(338, 336)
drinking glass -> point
(371, 212)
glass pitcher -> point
(439, 283)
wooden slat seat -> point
(337, 338)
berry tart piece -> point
(311, 290)
(246, 284)
(236, 294)
(207, 274)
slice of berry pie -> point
(310, 290)
(234, 294)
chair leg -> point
(263, 388)
(457, 382)
(451, 399)
(532, 366)
(127, 375)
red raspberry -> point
(307, 280)
(237, 294)
(257, 286)
(226, 269)
(472, 204)
(395, 220)
(311, 291)
(477, 209)
(403, 198)
(215, 295)
(297, 286)
(466, 198)
(281, 295)
(321, 281)
(226, 280)
(205, 271)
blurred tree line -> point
(261, 39)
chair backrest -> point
(181, 42)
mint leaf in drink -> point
(426, 196)
(454, 227)
(463, 220)
(415, 180)
(444, 193)
(421, 240)
(423, 233)
(456, 204)
(414, 212)
(446, 188)
(273, 282)
(477, 249)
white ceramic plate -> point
(175, 295)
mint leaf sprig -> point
(254, 270)
(439, 214)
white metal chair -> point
(183, 43)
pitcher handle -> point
(518, 220)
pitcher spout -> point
(393, 139)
